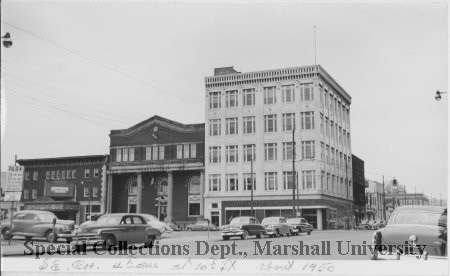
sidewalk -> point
(16, 248)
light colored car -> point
(111, 229)
(37, 224)
(243, 227)
(277, 226)
(301, 225)
(201, 225)
(413, 226)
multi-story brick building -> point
(359, 186)
(71, 187)
(157, 167)
(250, 122)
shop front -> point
(62, 209)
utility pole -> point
(251, 193)
(294, 211)
(347, 183)
(384, 201)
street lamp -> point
(7, 42)
(438, 95)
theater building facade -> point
(257, 125)
(157, 167)
(71, 187)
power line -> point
(102, 63)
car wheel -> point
(6, 233)
(189, 229)
(259, 235)
(49, 236)
(225, 238)
(108, 241)
(290, 233)
(244, 236)
(68, 240)
(150, 241)
(309, 232)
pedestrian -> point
(346, 223)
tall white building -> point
(251, 116)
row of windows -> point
(270, 181)
(26, 193)
(270, 152)
(332, 130)
(156, 152)
(86, 191)
(333, 156)
(334, 106)
(270, 124)
(270, 96)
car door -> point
(31, 225)
(19, 222)
(126, 230)
(139, 226)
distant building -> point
(400, 199)
(250, 120)
(374, 200)
(359, 186)
(71, 187)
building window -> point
(270, 123)
(194, 185)
(321, 124)
(308, 149)
(249, 124)
(270, 151)
(321, 95)
(288, 151)
(131, 154)
(27, 175)
(232, 182)
(248, 181)
(58, 174)
(94, 191)
(193, 150)
(47, 174)
(63, 174)
(161, 189)
(270, 181)
(214, 100)
(73, 174)
(148, 153)
(118, 155)
(53, 175)
(87, 173)
(249, 153)
(186, 151)
(194, 209)
(214, 154)
(232, 126)
(35, 175)
(307, 120)
(270, 95)
(161, 152)
(214, 182)
(214, 127)
(232, 154)
(86, 192)
(288, 180)
(34, 194)
(322, 180)
(232, 98)
(96, 173)
(248, 97)
(307, 92)
(26, 194)
(68, 174)
(154, 152)
(309, 180)
(288, 121)
(328, 154)
(288, 93)
(327, 129)
(322, 151)
(179, 151)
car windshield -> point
(270, 220)
(47, 217)
(111, 220)
(239, 221)
(434, 219)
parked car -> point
(371, 224)
(243, 227)
(415, 225)
(364, 224)
(301, 225)
(174, 226)
(93, 219)
(37, 224)
(277, 226)
(111, 229)
(379, 224)
(201, 225)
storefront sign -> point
(59, 189)
(132, 200)
(261, 203)
(194, 198)
(57, 206)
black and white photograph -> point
(216, 137)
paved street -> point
(332, 244)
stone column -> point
(139, 193)
(319, 219)
(169, 196)
(202, 194)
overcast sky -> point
(78, 69)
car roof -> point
(35, 212)
(421, 208)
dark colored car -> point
(277, 226)
(364, 224)
(415, 225)
(301, 225)
(111, 229)
(37, 224)
(379, 224)
(243, 227)
(202, 225)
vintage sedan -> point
(414, 226)
(37, 224)
(243, 227)
(301, 225)
(277, 226)
(201, 225)
(112, 229)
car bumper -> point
(270, 232)
(65, 235)
(86, 239)
(232, 234)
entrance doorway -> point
(215, 218)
